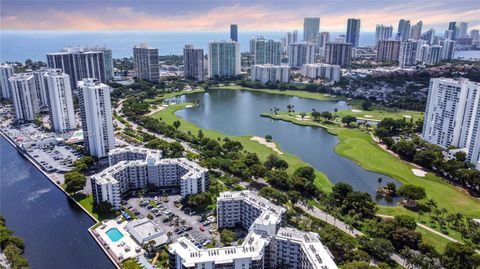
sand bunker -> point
(264, 142)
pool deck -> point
(122, 249)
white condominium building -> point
(300, 54)
(407, 53)
(452, 115)
(24, 96)
(448, 49)
(266, 51)
(96, 114)
(134, 168)
(6, 71)
(267, 244)
(223, 59)
(270, 73)
(325, 71)
(41, 87)
(146, 63)
(60, 100)
(383, 32)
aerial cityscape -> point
(239, 134)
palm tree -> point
(335, 112)
(437, 213)
(444, 211)
(430, 204)
(420, 214)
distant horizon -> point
(217, 15)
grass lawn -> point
(172, 94)
(435, 240)
(360, 148)
(301, 94)
(168, 116)
(381, 114)
(86, 201)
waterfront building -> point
(474, 35)
(383, 32)
(267, 245)
(96, 116)
(6, 71)
(407, 53)
(291, 38)
(450, 34)
(266, 51)
(448, 49)
(429, 36)
(311, 27)
(452, 115)
(388, 50)
(462, 30)
(338, 54)
(134, 168)
(41, 87)
(24, 96)
(79, 63)
(300, 54)
(144, 230)
(59, 100)
(108, 62)
(270, 73)
(325, 71)
(416, 31)
(403, 32)
(223, 58)
(146, 63)
(193, 63)
(234, 32)
(353, 32)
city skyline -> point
(218, 15)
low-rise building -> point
(109, 185)
(267, 244)
(325, 71)
(270, 73)
(145, 230)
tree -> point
(276, 196)
(306, 172)
(403, 237)
(315, 115)
(340, 191)
(227, 236)
(358, 265)
(199, 201)
(379, 180)
(268, 138)
(176, 124)
(278, 179)
(74, 182)
(412, 193)
(379, 248)
(303, 114)
(460, 256)
(405, 149)
(404, 221)
(348, 119)
(367, 105)
(326, 115)
(103, 208)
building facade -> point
(6, 71)
(24, 96)
(311, 27)
(134, 168)
(193, 63)
(407, 55)
(324, 71)
(79, 63)
(403, 32)
(290, 38)
(383, 32)
(452, 115)
(429, 36)
(388, 50)
(270, 73)
(448, 49)
(234, 32)
(96, 116)
(338, 54)
(146, 63)
(353, 32)
(60, 100)
(416, 31)
(267, 51)
(41, 87)
(300, 54)
(223, 59)
(267, 245)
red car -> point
(202, 228)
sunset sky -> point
(216, 15)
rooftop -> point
(145, 230)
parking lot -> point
(55, 158)
(175, 220)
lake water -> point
(53, 227)
(238, 113)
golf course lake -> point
(235, 112)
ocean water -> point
(22, 45)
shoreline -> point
(36, 165)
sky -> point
(216, 15)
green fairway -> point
(439, 242)
(172, 94)
(360, 148)
(301, 94)
(168, 116)
(378, 115)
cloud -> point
(251, 16)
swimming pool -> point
(114, 234)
